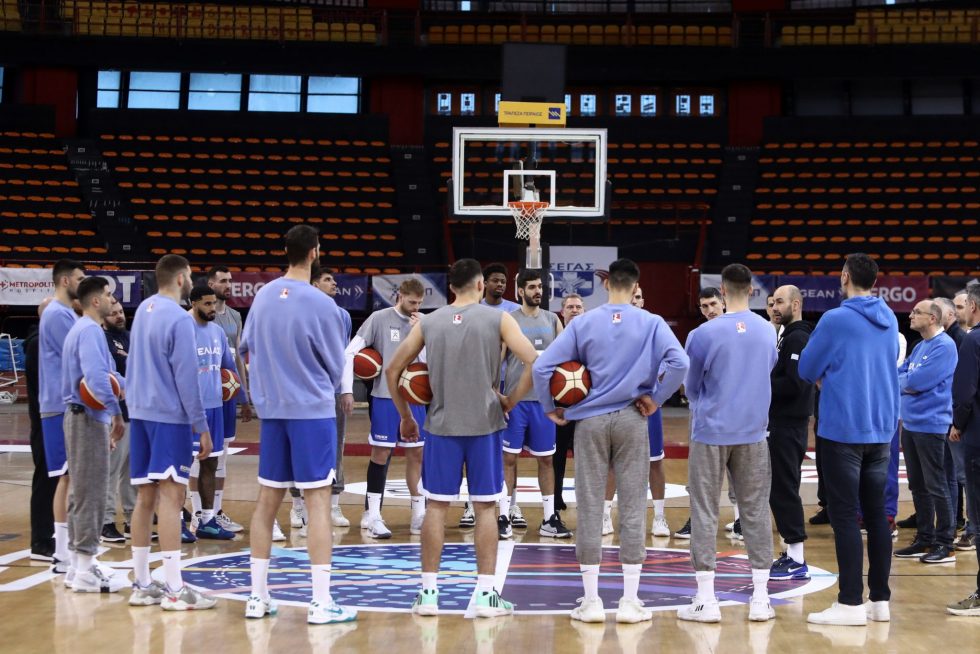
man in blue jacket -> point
(852, 352)
(925, 380)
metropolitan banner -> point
(385, 289)
(822, 292)
(581, 270)
(28, 286)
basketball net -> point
(528, 216)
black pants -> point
(787, 447)
(971, 464)
(564, 437)
(42, 490)
(856, 476)
(925, 458)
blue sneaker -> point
(212, 530)
(786, 568)
(185, 534)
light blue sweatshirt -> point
(854, 350)
(86, 355)
(623, 348)
(926, 382)
(728, 384)
(294, 336)
(213, 354)
(56, 321)
(162, 366)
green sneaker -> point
(969, 607)
(490, 605)
(426, 603)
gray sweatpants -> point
(87, 446)
(752, 477)
(619, 438)
(119, 482)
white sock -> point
(504, 505)
(73, 559)
(429, 580)
(760, 584)
(141, 565)
(795, 552)
(171, 570)
(484, 583)
(607, 508)
(195, 502)
(260, 577)
(217, 500)
(658, 508)
(61, 541)
(590, 581)
(206, 516)
(374, 504)
(321, 583)
(84, 562)
(706, 584)
(513, 494)
(418, 506)
(735, 508)
(334, 500)
(631, 580)
(195, 469)
(548, 502)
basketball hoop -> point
(528, 216)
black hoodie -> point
(792, 397)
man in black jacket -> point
(42, 486)
(117, 337)
(789, 420)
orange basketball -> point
(230, 384)
(367, 364)
(570, 383)
(89, 399)
(414, 384)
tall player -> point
(464, 424)
(56, 321)
(294, 337)
(384, 331)
(527, 428)
(165, 409)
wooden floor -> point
(48, 618)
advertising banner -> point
(28, 286)
(385, 290)
(578, 269)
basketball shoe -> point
(504, 532)
(607, 525)
(277, 535)
(785, 567)
(426, 603)
(329, 613)
(468, 519)
(554, 528)
(186, 599)
(685, 531)
(148, 595)
(94, 580)
(632, 611)
(256, 607)
(517, 519)
(338, 517)
(700, 610)
(660, 527)
(968, 607)
(489, 604)
(589, 610)
(227, 523)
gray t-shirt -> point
(231, 322)
(384, 330)
(463, 354)
(541, 331)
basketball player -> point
(571, 307)
(624, 348)
(230, 320)
(729, 390)
(384, 331)
(56, 321)
(527, 428)
(165, 409)
(90, 434)
(295, 337)
(213, 354)
(464, 424)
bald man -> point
(789, 420)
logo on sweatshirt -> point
(617, 318)
(395, 334)
(284, 294)
(457, 319)
(740, 327)
(149, 309)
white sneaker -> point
(186, 599)
(843, 615)
(256, 607)
(302, 531)
(277, 535)
(730, 526)
(760, 610)
(94, 580)
(589, 611)
(378, 529)
(517, 518)
(227, 523)
(329, 613)
(147, 596)
(416, 527)
(195, 521)
(338, 518)
(468, 519)
(366, 519)
(607, 525)
(69, 577)
(660, 527)
(700, 611)
(877, 611)
(296, 517)
(632, 611)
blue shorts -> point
(298, 453)
(216, 425)
(445, 456)
(529, 429)
(229, 411)
(655, 427)
(385, 423)
(55, 455)
(159, 450)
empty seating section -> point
(9, 16)
(210, 21)
(42, 215)
(912, 203)
(889, 27)
(234, 198)
(594, 34)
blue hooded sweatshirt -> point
(926, 381)
(853, 350)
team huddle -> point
(490, 365)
